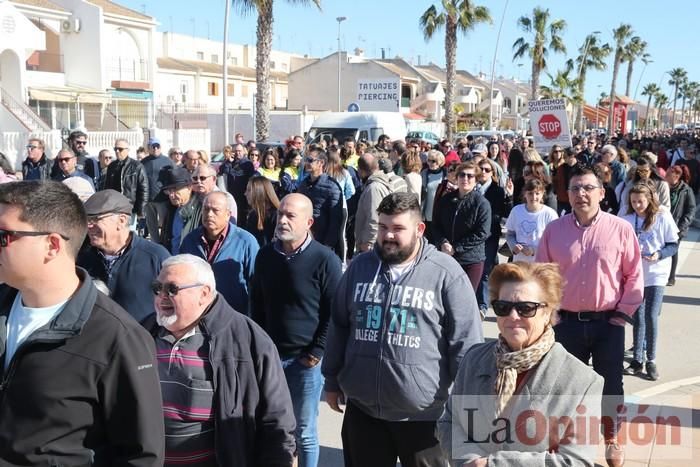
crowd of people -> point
(362, 270)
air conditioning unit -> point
(70, 25)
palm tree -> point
(693, 95)
(686, 92)
(563, 85)
(636, 49)
(263, 49)
(621, 35)
(456, 16)
(546, 36)
(650, 90)
(593, 55)
(660, 100)
(678, 77)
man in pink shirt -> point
(598, 255)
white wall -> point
(129, 46)
(316, 86)
(83, 58)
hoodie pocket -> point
(406, 389)
(358, 379)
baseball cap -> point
(479, 149)
(153, 141)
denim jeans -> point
(604, 342)
(646, 323)
(305, 386)
(482, 294)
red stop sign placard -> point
(549, 126)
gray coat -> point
(555, 387)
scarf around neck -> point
(510, 363)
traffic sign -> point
(354, 107)
(550, 126)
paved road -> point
(678, 357)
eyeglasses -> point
(64, 159)
(92, 220)
(487, 170)
(310, 160)
(524, 309)
(587, 188)
(201, 178)
(170, 289)
(432, 160)
(557, 150)
(30, 147)
(116, 149)
(176, 153)
(81, 142)
(466, 175)
(6, 235)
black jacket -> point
(501, 204)
(81, 390)
(130, 277)
(465, 223)
(236, 175)
(326, 197)
(131, 181)
(254, 416)
(682, 207)
(43, 166)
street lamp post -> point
(339, 19)
(493, 67)
(636, 89)
(225, 86)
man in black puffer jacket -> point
(326, 196)
(128, 177)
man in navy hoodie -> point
(402, 318)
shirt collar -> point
(280, 250)
(593, 222)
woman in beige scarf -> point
(508, 391)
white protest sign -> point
(378, 94)
(549, 124)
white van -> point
(360, 125)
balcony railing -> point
(45, 61)
(127, 69)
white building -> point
(71, 61)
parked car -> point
(426, 136)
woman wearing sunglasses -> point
(462, 223)
(524, 369)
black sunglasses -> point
(524, 309)
(116, 149)
(466, 175)
(201, 178)
(6, 235)
(310, 160)
(170, 289)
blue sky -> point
(670, 28)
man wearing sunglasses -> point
(78, 384)
(125, 262)
(128, 177)
(36, 166)
(225, 398)
(598, 256)
(67, 167)
(326, 197)
(77, 142)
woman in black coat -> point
(682, 207)
(462, 223)
(501, 203)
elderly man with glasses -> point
(225, 397)
(128, 177)
(125, 262)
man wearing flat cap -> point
(124, 261)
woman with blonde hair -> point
(657, 234)
(501, 379)
(412, 165)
